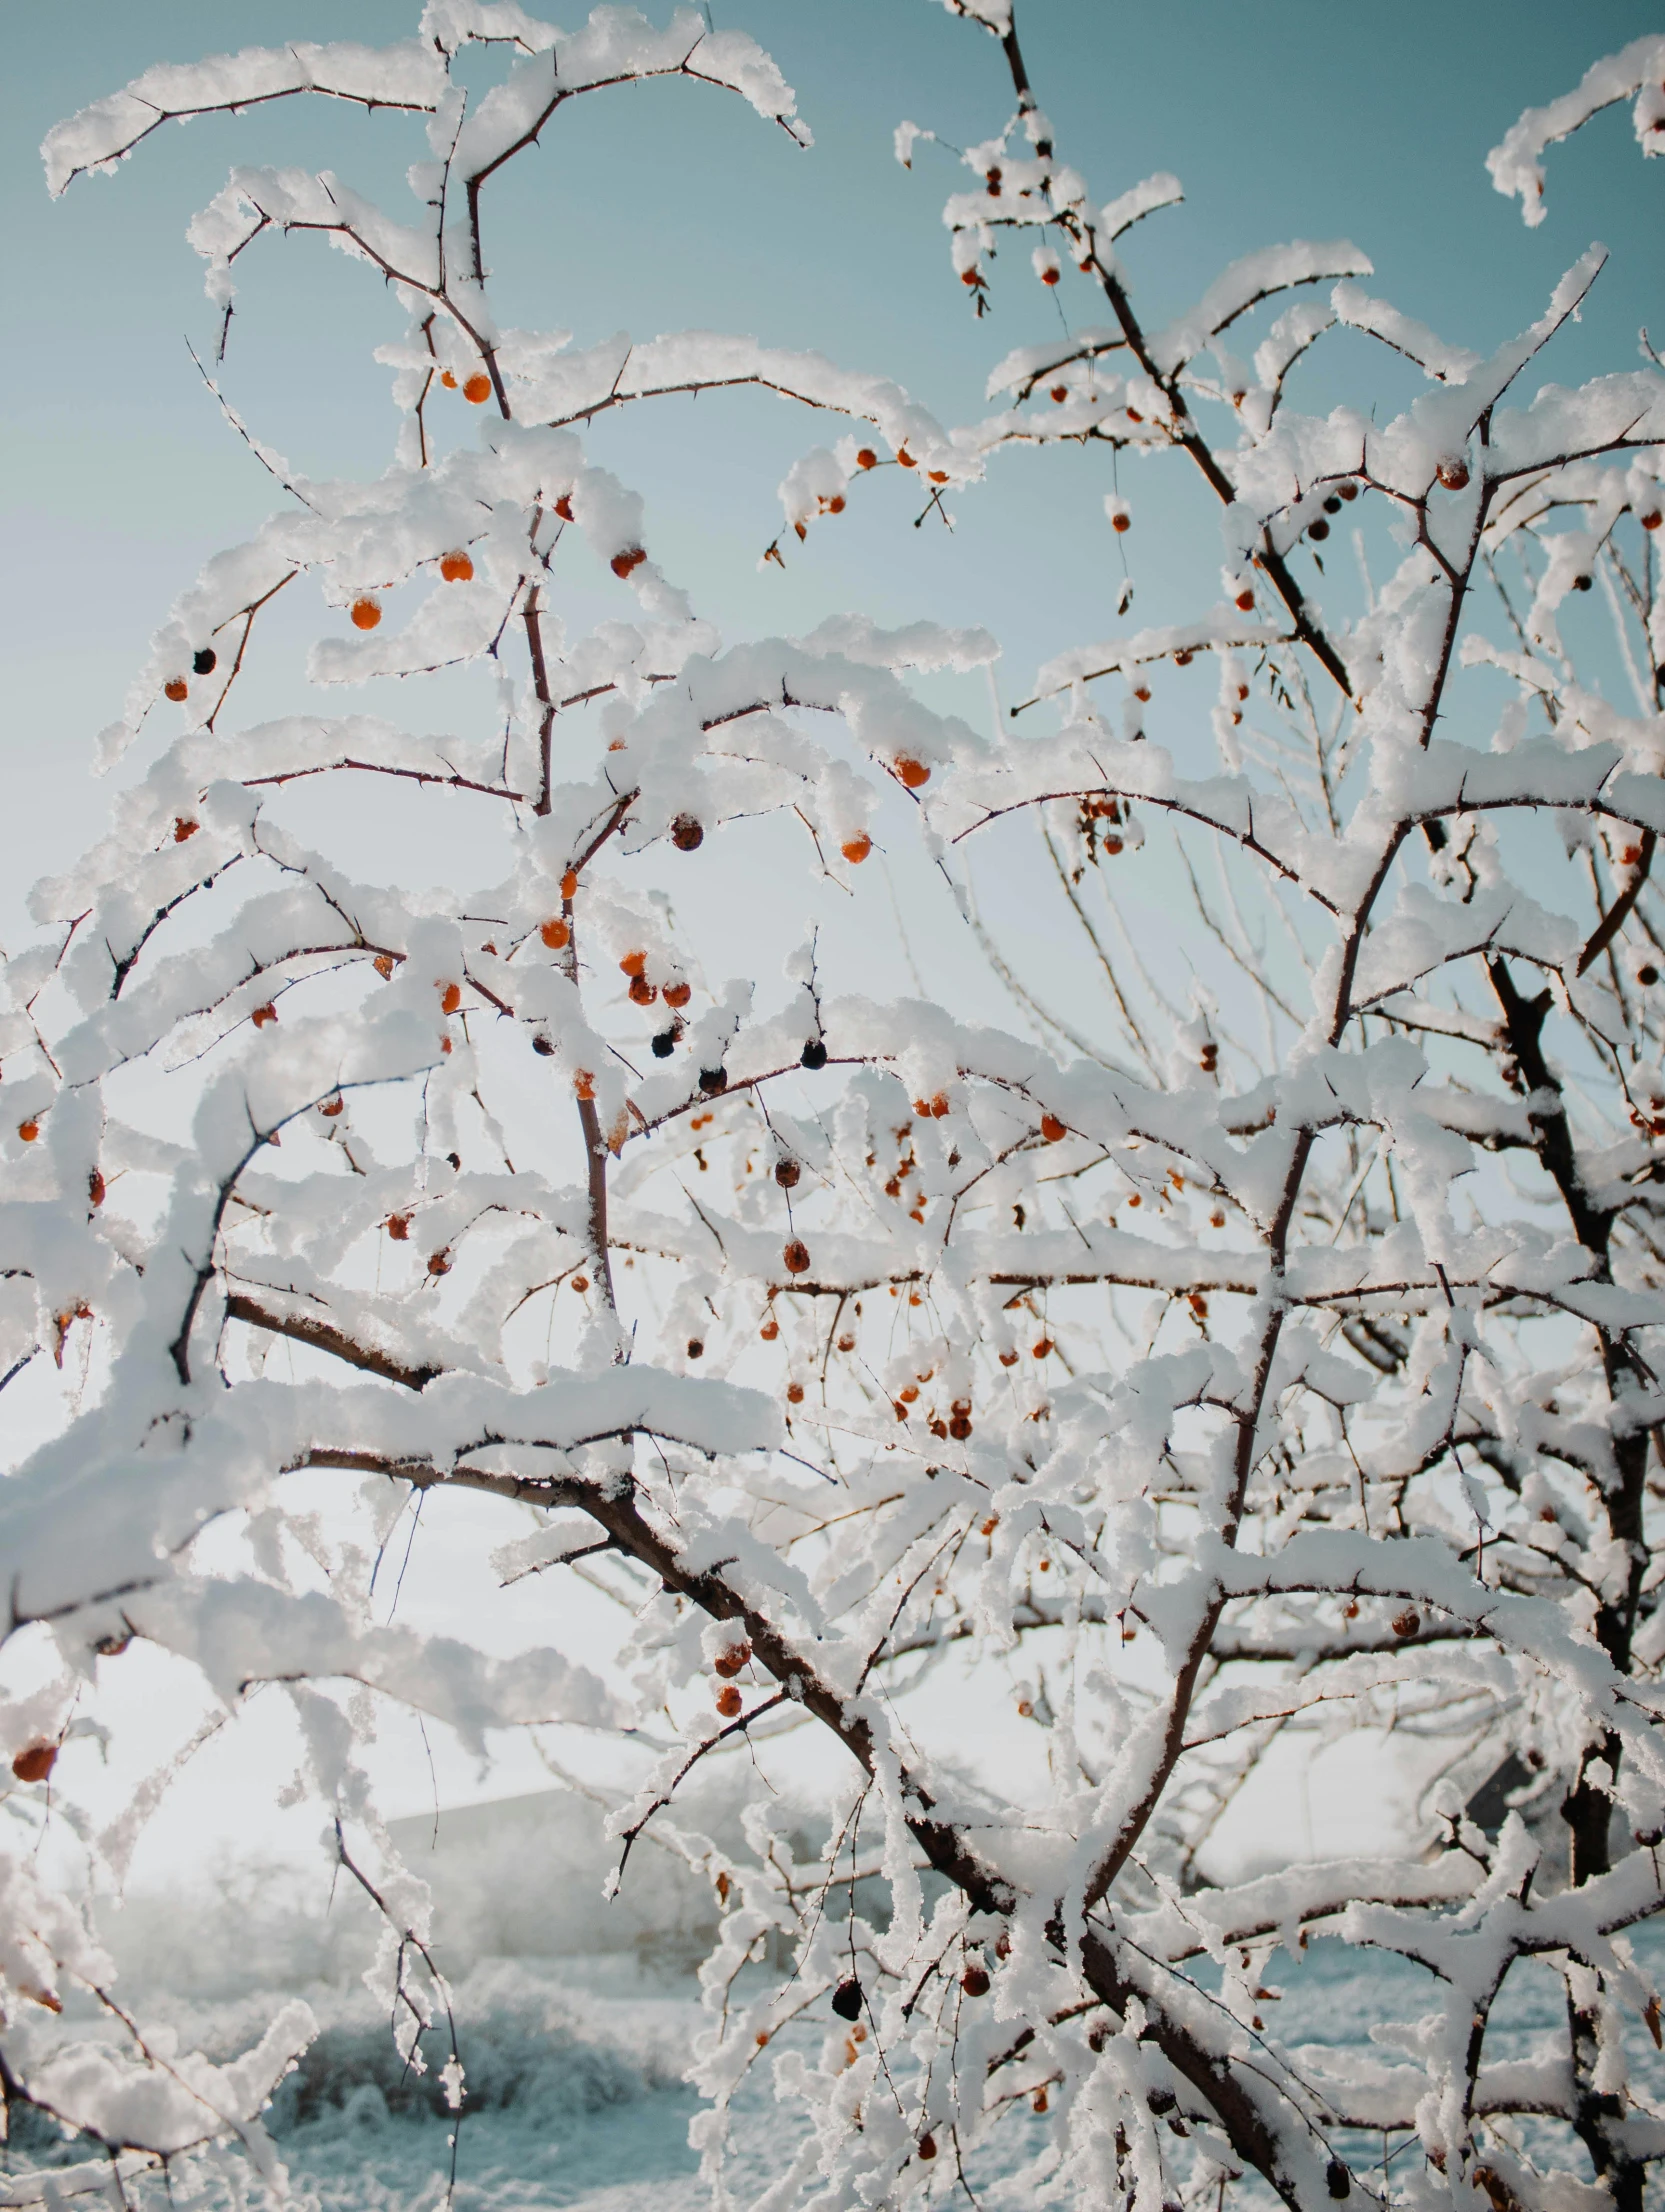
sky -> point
(671, 205)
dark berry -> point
(815, 1054)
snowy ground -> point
(575, 2057)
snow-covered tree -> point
(1277, 1351)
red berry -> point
(365, 614)
(176, 688)
(1052, 1128)
(796, 1257)
(35, 1762)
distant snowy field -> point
(575, 2054)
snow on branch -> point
(1516, 163)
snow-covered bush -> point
(1277, 1350)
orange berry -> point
(563, 507)
(1141, 692)
(904, 459)
(678, 994)
(729, 1663)
(35, 1762)
(835, 505)
(1042, 1347)
(1453, 472)
(1050, 276)
(1245, 602)
(795, 1394)
(439, 1263)
(263, 1014)
(28, 1131)
(634, 963)
(331, 1107)
(176, 688)
(687, 833)
(450, 997)
(398, 1227)
(580, 1283)
(569, 884)
(1052, 1128)
(769, 1331)
(95, 1188)
(856, 849)
(623, 563)
(184, 827)
(1650, 520)
(478, 389)
(912, 772)
(1121, 522)
(796, 1257)
(555, 934)
(366, 614)
(642, 991)
(383, 965)
(1060, 392)
(448, 380)
(867, 458)
(456, 568)
(583, 1083)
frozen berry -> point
(796, 1257)
(176, 688)
(439, 1263)
(398, 1227)
(687, 833)
(814, 1055)
(787, 1172)
(35, 1762)
(365, 614)
(664, 1044)
(1453, 472)
(184, 827)
(95, 1188)
(729, 1663)
(556, 934)
(678, 994)
(713, 1081)
(204, 660)
(867, 458)
(975, 1981)
(1052, 1129)
(625, 563)
(846, 1999)
(728, 1701)
(912, 772)
(478, 389)
(456, 568)
(856, 849)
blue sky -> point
(671, 205)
